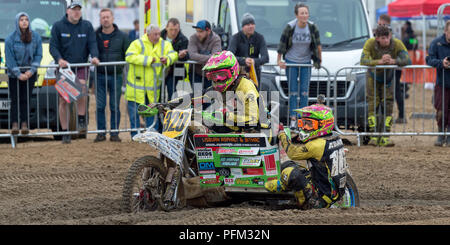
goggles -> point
(219, 75)
(312, 124)
(308, 124)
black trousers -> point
(20, 96)
(399, 91)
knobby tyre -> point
(353, 191)
(143, 183)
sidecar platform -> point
(242, 163)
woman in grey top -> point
(299, 44)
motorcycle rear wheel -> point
(136, 195)
(350, 186)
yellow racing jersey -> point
(245, 111)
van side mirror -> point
(224, 36)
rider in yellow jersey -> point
(324, 183)
(240, 109)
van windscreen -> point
(340, 22)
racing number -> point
(339, 164)
(167, 121)
(175, 121)
(182, 120)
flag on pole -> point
(252, 74)
(148, 14)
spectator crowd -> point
(73, 40)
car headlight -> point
(50, 76)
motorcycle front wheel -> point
(351, 195)
(145, 181)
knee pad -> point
(295, 178)
(388, 123)
(372, 121)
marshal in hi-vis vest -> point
(145, 77)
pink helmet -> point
(222, 69)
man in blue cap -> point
(202, 45)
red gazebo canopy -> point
(412, 8)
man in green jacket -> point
(383, 49)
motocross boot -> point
(303, 197)
(300, 198)
(15, 128)
(372, 121)
(274, 186)
(385, 141)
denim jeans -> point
(295, 92)
(112, 83)
(135, 118)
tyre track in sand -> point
(45, 177)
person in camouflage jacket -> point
(383, 49)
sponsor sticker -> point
(251, 151)
(209, 176)
(228, 181)
(206, 166)
(210, 181)
(207, 171)
(230, 161)
(227, 141)
(270, 164)
(268, 151)
(251, 161)
(258, 181)
(226, 151)
(204, 154)
(236, 172)
(253, 171)
(242, 182)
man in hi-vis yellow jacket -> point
(148, 57)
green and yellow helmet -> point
(314, 121)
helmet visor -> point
(308, 124)
(219, 75)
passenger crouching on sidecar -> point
(323, 183)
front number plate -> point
(5, 104)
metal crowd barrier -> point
(419, 111)
(43, 112)
(345, 92)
